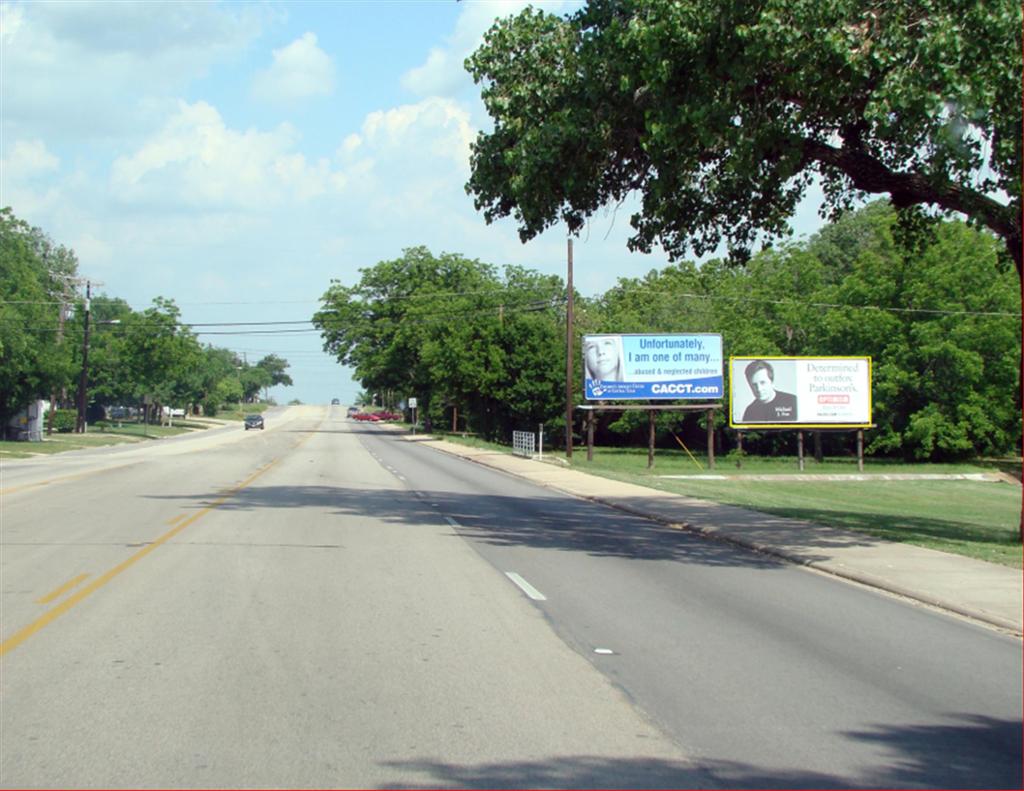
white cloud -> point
(92, 252)
(299, 71)
(443, 72)
(441, 75)
(349, 145)
(83, 70)
(415, 137)
(29, 176)
(28, 158)
(197, 161)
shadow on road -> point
(597, 772)
(973, 752)
(550, 522)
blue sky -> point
(236, 157)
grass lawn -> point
(138, 430)
(94, 438)
(118, 433)
(239, 411)
(977, 519)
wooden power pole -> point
(568, 359)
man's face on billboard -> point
(761, 383)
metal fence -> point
(524, 443)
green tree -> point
(938, 320)
(498, 354)
(380, 326)
(721, 114)
(226, 391)
(253, 378)
(215, 380)
(276, 367)
(454, 333)
(110, 379)
(160, 354)
(941, 326)
(34, 276)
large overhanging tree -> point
(720, 113)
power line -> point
(495, 291)
(416, 295)
(311, 330)
(841, 306)
(542, 304)
(242, 323)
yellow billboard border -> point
(797, 426)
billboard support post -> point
(711, 438)
(800, 449)
(860, 450)
(650, 439)
(592, 410)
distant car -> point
(253, 421)
(335, 401)
(353, 411)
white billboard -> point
(642, 367)
(800, 392)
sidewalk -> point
(987, 592)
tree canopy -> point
(941, 324)
(454, 333)
(939, 320)
(721, 114)
(133, 354)
(33, 273)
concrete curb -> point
(827, 567)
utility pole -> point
(568, 358)
(60, 340)
(68, 284)
(83, 379)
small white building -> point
(28, 424)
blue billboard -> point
(642, 367)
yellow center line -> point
(61, 590)
(50, 616)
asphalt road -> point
(323, 604)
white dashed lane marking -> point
(526, 587)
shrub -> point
(64, 420)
